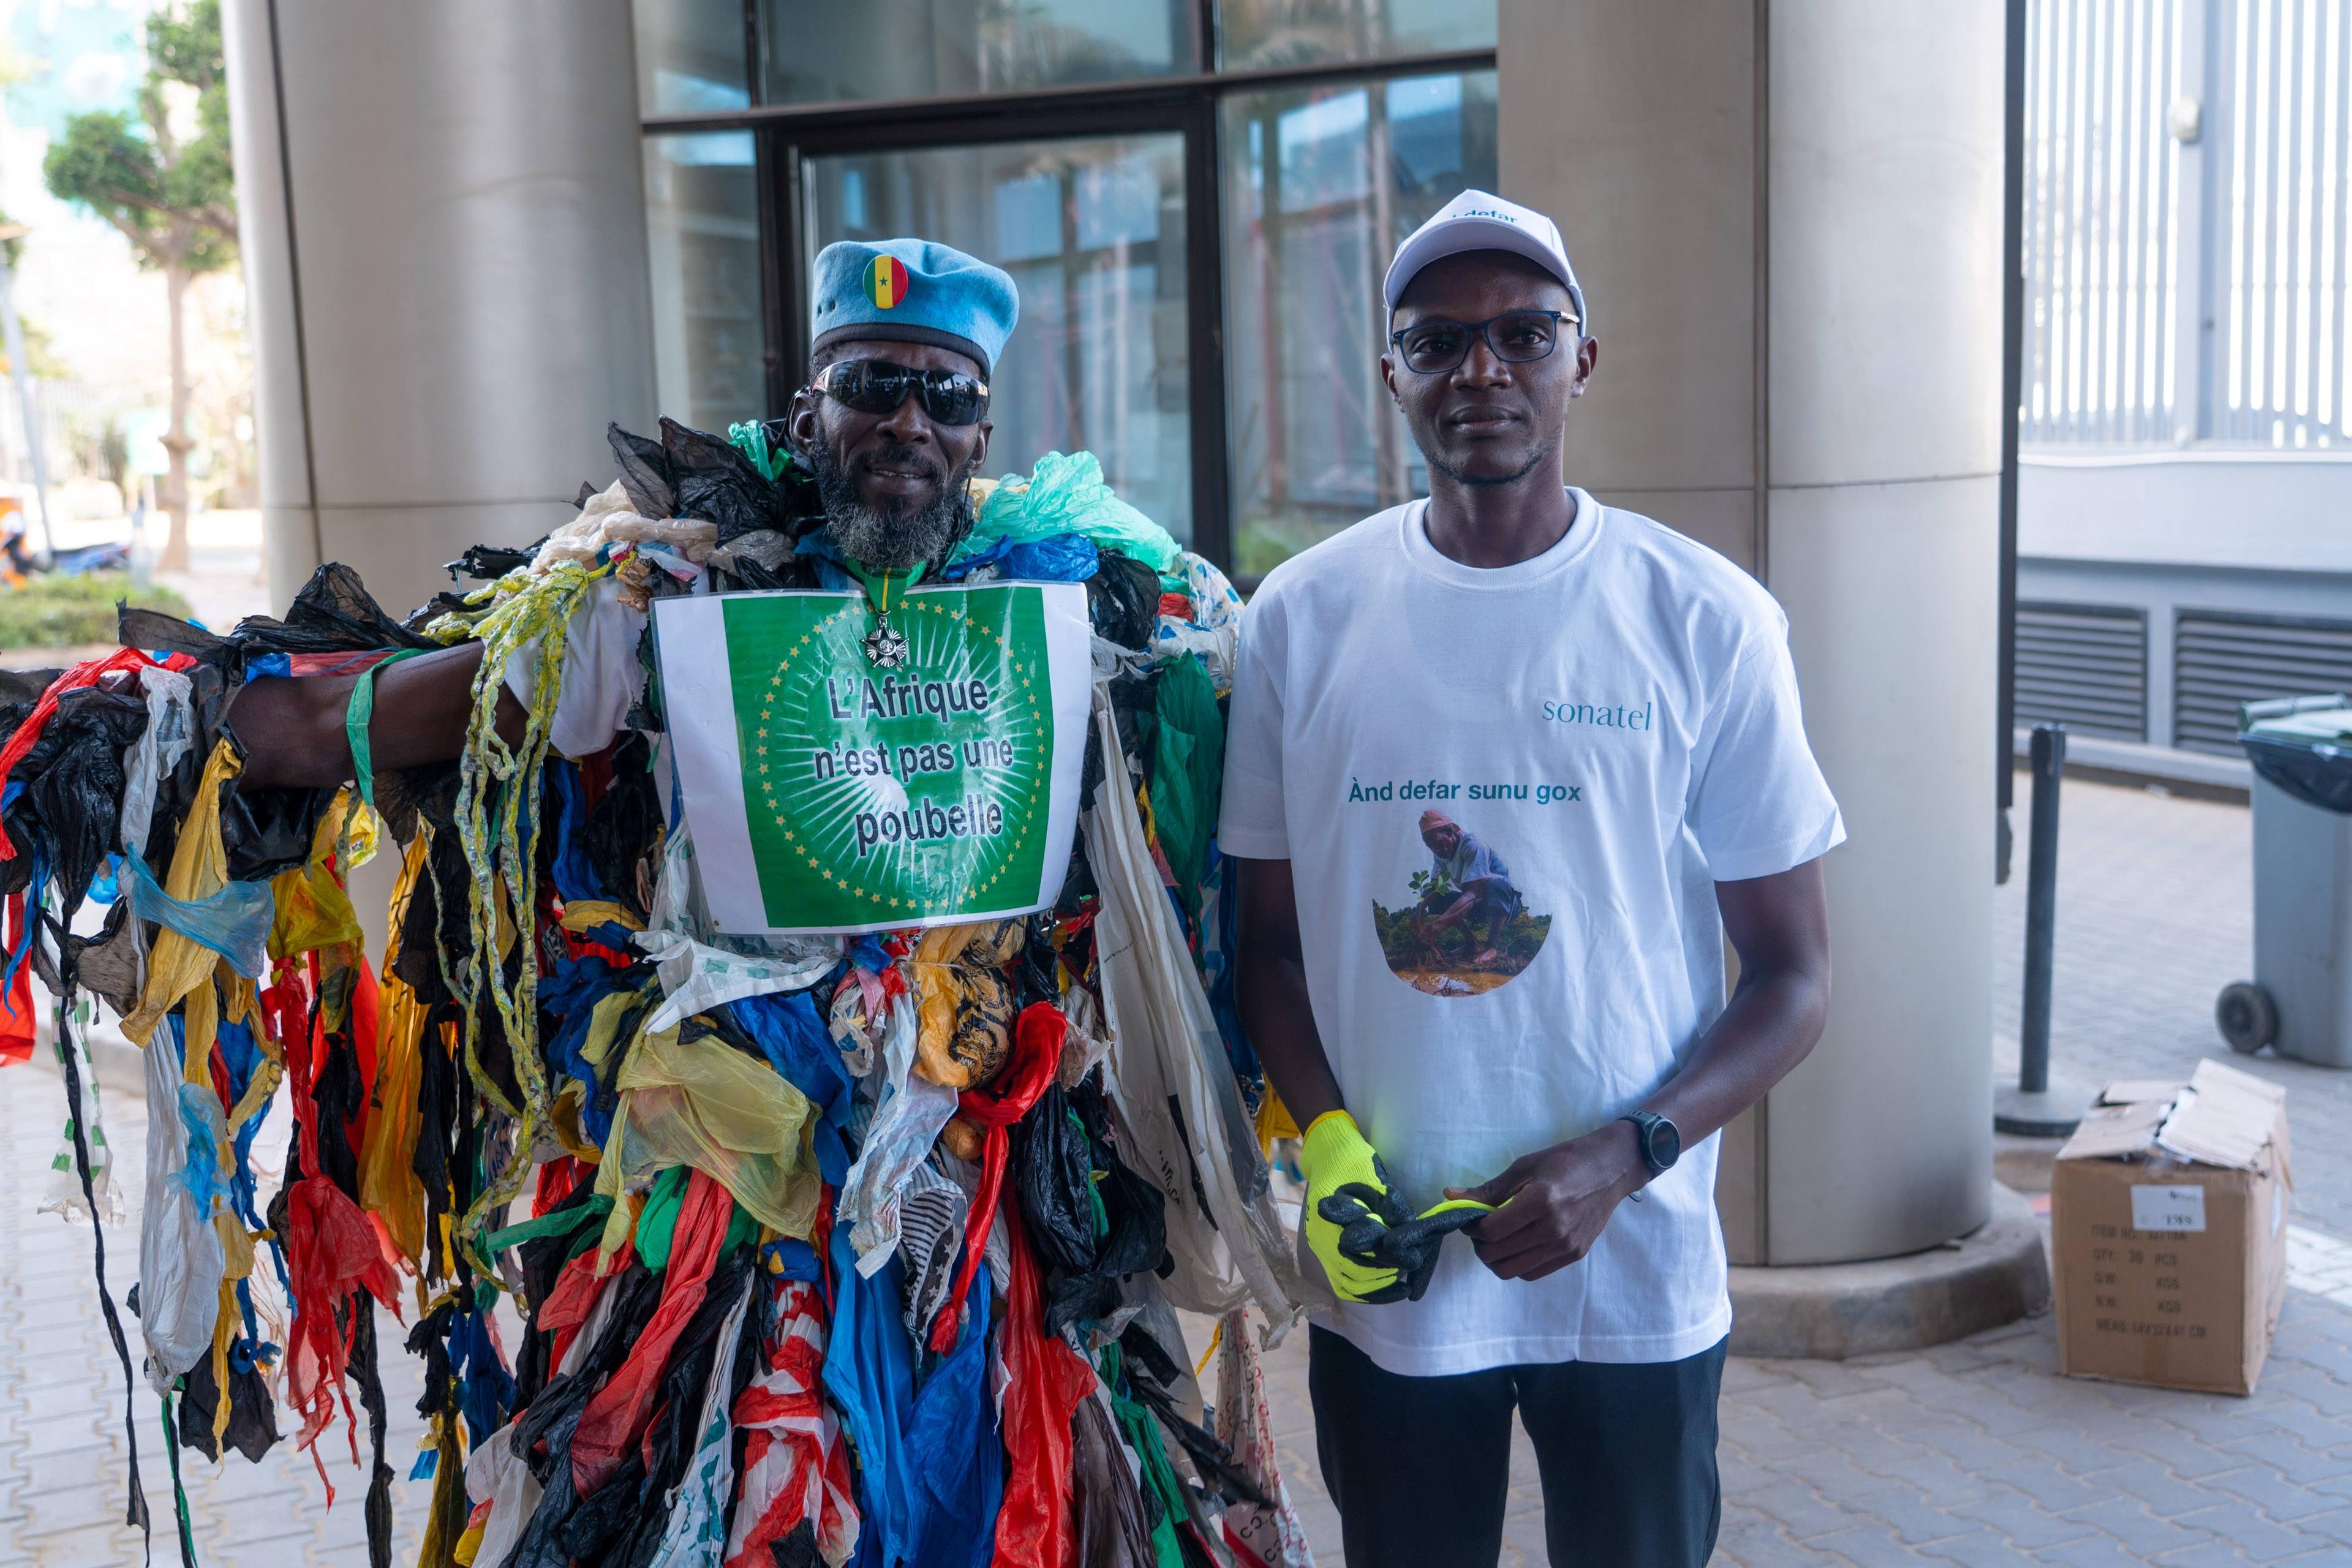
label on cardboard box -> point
(2172, 1210)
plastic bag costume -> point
(825, 1250)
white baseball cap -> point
(1480, 220)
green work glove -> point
(1348, 1207)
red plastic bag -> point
(1045, 1381)
(616, 1417)
(17, 1022)
(1036, 1055)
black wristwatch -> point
(1661, 1141)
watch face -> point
(1665, 1141)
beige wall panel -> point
(1633, 126)
(463, 229)
(1880, 1142)
(1885, 241)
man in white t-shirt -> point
(1612, 708)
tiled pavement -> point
(62, 1454)
(1974, 1454)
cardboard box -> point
(2168, 1226)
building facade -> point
(476, 234)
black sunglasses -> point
(1517, 337)
(877, 386)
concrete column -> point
(443, 222)
(1787, 221)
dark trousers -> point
(1419, 1467)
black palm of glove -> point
(1366, 1216)
(1375, 1232)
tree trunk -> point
(175, 496)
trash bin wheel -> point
(2247, 1017)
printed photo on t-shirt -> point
(1466, 929)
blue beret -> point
(912, 291)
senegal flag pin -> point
(886, 282)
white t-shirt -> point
(1507, 796)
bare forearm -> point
(1771, 1023)
(1281, 1026)
(1780, 927)
(1270, 981)
(293, 729)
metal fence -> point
(2187, 249)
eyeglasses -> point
(1516, 337)
(877, 386)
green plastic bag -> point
(1069, 495)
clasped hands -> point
(1543, 1213)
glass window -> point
(702, 231)
(1263, 35)
(690, 56)
(822, 51)
(1321, 184)
(1093, 233)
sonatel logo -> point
(1600, 716)
(1498, 215)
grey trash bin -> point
(2300, 999)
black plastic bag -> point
(160, 633)
(252, 1416)
(74, 784)
(1135, 1213)
(489, 562)
(626, 825)
(1053, 1175)
(334, 613)
(1123, 600)
(716, 483)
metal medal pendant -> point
(884, 647)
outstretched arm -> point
(1271, 975)
(1557, 1201)
(292, 730)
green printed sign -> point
(828, 793)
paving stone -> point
(2290, 1458)
(1979, 1549)
(2092, 1551)
(2256, 1537)
(2130, 1521)
(2279, 1498)
(1914, 1520)
(1800, 1512)
(1932, 1476)
(2022, 1522)
(1866, 1545)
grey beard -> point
(888, 541)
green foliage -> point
(175, 200)
(72, 612)
(1408, 943)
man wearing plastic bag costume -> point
(826, 1249)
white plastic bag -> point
(1246, 1428)
(1166, 1051)
(180, 1256)
(696, 978)
(910, 1109)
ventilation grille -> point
(2221, 660)
(2083, 666)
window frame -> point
(786, 135)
